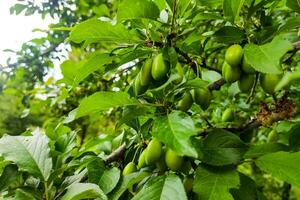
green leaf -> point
(266, 58)
(192, 44)
(74, 72)
(222, 148)
(212, 183)
(294, 5)
(96, 144)
(290, 24)
(262, 149)
(30, 153)
(130, 113)
(94, 30)
(210, 76)
(132, 9)
(107, 179)
(232, 9)
(18, 8)
(69, 70)
(66, 142)
(229, 34)
(196, 83)
(162, 188)
(167, 84)
(247, 189)
(206, 16)
(76, 178)
(91, 64)
(282, 165)
(127, 182)
(182, 5)
(78, 191)
(294, 137)
(287, 79)
(95, 62)
(100, 101)
(23, 195)
(8, 176)
(175, 130)
(210, 3)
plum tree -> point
(121, 122)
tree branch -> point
(296, 45)
(253, 123)
(217, 84)
(116, 155)
(192, 63)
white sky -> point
(17, 29)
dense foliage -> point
(160, 99)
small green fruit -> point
(146, 77)
(268, 82)
(138, 88)
(228, 115)
(188, 184)
(273, 136)
(246, 82)
(247, 68)
(230, 74)
(154, 152)
(180, 72)
(142, 162)
(234, 55)
(186, 102)
(202, 97)
(173, 161)
(130, 168)
(159, 68)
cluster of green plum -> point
(152, 72)
(164, 158)
(201, 96)
(155, 71)
(236, 68)
(155, 153)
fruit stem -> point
(135, 153)
(253, 88)
(174, 15)
(207, 121)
